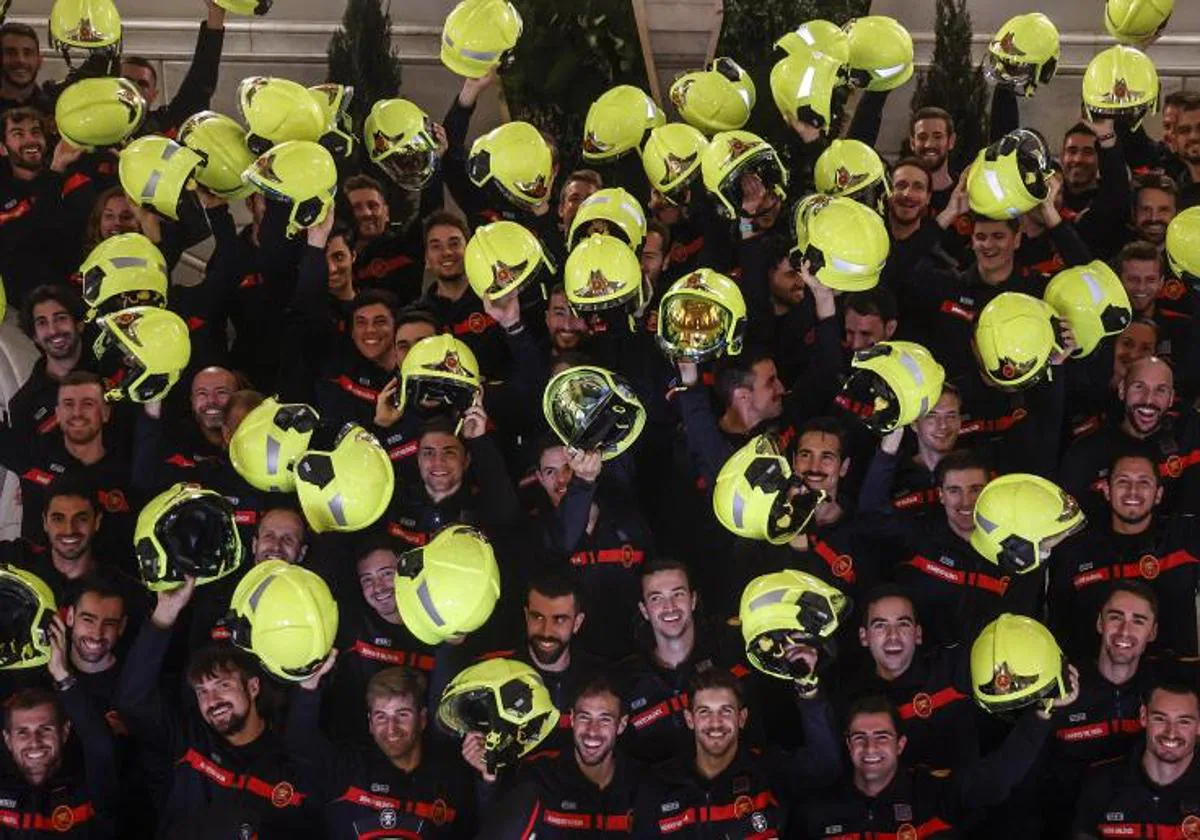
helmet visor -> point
(1019, 75)
(769, 650)
(411, 166)
(200, 539)
(694, 328)
(872, 400)
(1007, 691)
(434, 394)
(589, 414)
(21, 644)
(762, 164)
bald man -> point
(1147, 395)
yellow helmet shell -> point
(93, 113)
(785, 605)
(122, 271)
(449, 587)
(221, 142)
(502, 258)
(277, 110)
(144, 349)
(157, 173)
(28, 603)
(1008, 178)
(802, 85)
(517, 158)
(441, 367)
(900, 380)
(602, 272)
(478, 35)
(269, 441)
(1092, 300)
(1137, 21)
(881, 53)
(344, 479)
(1019, 518)
(1016, 662)
(617, 122)
(399, 139)
(702, 316)
(719, 98)
(620, 214)
(671, 158)
(729, 155)
(299, 173)
(186, 530)
(753, 495)
(1015, 337)
(845, 242)
(1120, 82)
(817, 35)
(590, 408)
(1183, 244)
(1024, 53)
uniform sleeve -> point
(197, 88)
(991, 779)
(138, 697)
(515, 816)
(707, 447)
(99, 753)
(818, 761)
(571, 516)
(1090, 807)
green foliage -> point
(361, 54)
(569, 54)
(747, 33)
(954, 82)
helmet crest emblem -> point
(695, 280)
(536, 188)
(503, 275)
(739, 147)
(266, 168)
(1007, 45)
(844, 178)
(1002, 682)
(679, 92)
(676, 165)
(598, 285)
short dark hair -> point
(417, 315)
(31, 698)
(64, 296)
(915, 163)
(879, 301)
(211, 660)
(1176, 97)
(1180, 689)
(978, 218)
(1079, 128)
(872, 704)
(1184, 100)
(340, 231)
(22, 114)
(75, 486)
(828, 426)
(1136, 452)
(713, 679)
(931, 112)
(1135, 587)
(81, 377)
(444, 218)
(733, 372)
(399, 681)
(664, 563)
(887, 590)
(144, 63)
(21, 30)
(1137, 251)
(664, 233)
(587, 176)
(370, 297)
(601, 683)
(960, 459)
(1155, 181)
(363, 182)
(556, 584)
(102, 583)
(442, 424)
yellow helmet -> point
(26, 606)
(502, 258)
(186, 530)
(449, 587)
(845, 243)
(802, 84)
(1008, 178)
(718, 98)
(122, 271)
(221, 144)
(142, 351)
(1020, 518)
(517, 158)
(881, 53)
(757, 497)
(786, 608)
(853, 169)
(82, 28)
(1023, 53)
(246, 7)
(439, 370)
(702, 316)
(158, 174)
(285, 615)
(92, 113)
(1183, 244)
(617, 122)
(602, 272)
(506, 701)
(299, 173)
(479, 35)
(899, 380)
(613, 209)
(399, 139)
(671, 159)
(1016, 662)
(1137, 21)
(819, 35)
(1120, 82)
(1015, 336)
(592, 408)
(1092, 300)
(333, 101)
(277, 110)
(344, 479)
(269, 441)
(732, 154)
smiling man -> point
(52, 317)
(20, 63)
(1158, 785)
(585, 792)
(360, 368)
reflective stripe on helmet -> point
(888, 72)
(910, 364)
(985, 523)
(993, 182)
(806, 83)
(1093, 287)
(151, 187)
(426, 599)
(337, 508)
(838, 264)
(767, 599)
(128, 262)
(273, 449)
(739, 510)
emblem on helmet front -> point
(1006, 45)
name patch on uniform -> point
(638, 704)
(741, 784)
(669, 807)
(902, 811)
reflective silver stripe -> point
(887, 72)
(479, 56)
(985, 523)
(910, 364)
(1093, 286)
(258, 592)
(151, 187)
(767, 599)
(739, 509)
(273, 449)
(128, 262)
(427, 602)
(170, 150)
(806, 83)
(336, 507)
(838, 264)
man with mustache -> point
(394, 785)
(372, 638)
(47, 792)
(1130, 542)
(52, 317)
(1147, 395)
(587, 792)
(721, 788)
(230, 770)
(1157, 787)
(1155, 203)
(655, 681)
